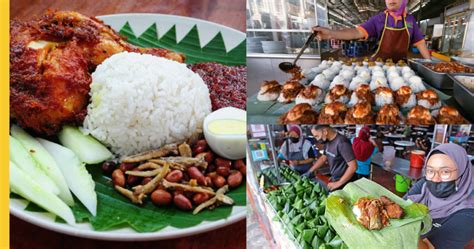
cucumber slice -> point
(86, 147)
(78, 179)
(19, 155)
(22, 184)
(45, 160)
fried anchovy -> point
(220, 197)
(185, 150)
(129, 194)
(149, 165)
(148, 173)
(189, 188)
(163, 151)
(185, 161)
(172, 165)
(142, 190)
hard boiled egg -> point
(225, 131)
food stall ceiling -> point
(434, 8)
(354, 12)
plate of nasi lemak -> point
(127, 126)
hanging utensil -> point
(287, 66)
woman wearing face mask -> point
(394, 29)
(364, 149)
(297, 150)
(447, 190)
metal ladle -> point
(287, 66)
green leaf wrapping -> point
(401, 233)
(303, 215)
(214, 51)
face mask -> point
(294, 139)
(441, 189)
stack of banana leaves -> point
(301, 207)
(403, 232)
(271, 179)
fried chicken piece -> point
(338, 93)
(332, 113)
(270, 86)
(402, 95)
(450, 115)
(360, 113)
(420, 115)
(371, 214)
(98, 40)
(394, 211)
(300, 114)
(388, 115)
(290, 91)
(49, 86)
(296, 73)
(429, 95)
(363, 93)
(51, 61)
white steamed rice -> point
(141, 102)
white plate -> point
(139, 24)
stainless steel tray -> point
(437, 80)
(416, 62)
(463, 95)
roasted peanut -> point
(234, 179)
(223, 171)
(182, 202)
(118, 178)
(178, 192)
(161, 197)
(207, 156)
(194, 173)
(174, 176)
(146, 180)
(238, 163)
(200, 198)
(198, 149)
(126, 167)
(201, 142)
(108, 167)
(133, 180)
(243, 170)
(211, 168)
(209, 181)
(240, 166)
(218, 181)
(221, 162)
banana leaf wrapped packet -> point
(400, 233)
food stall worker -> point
(447, 190)
(298, 151)
(364, 149)
(394, 29)
(339, 155)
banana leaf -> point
(401, 233)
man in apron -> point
(394, 28)
(297, 150)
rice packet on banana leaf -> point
(400, 233)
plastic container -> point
(417, 159)
(402, 183)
